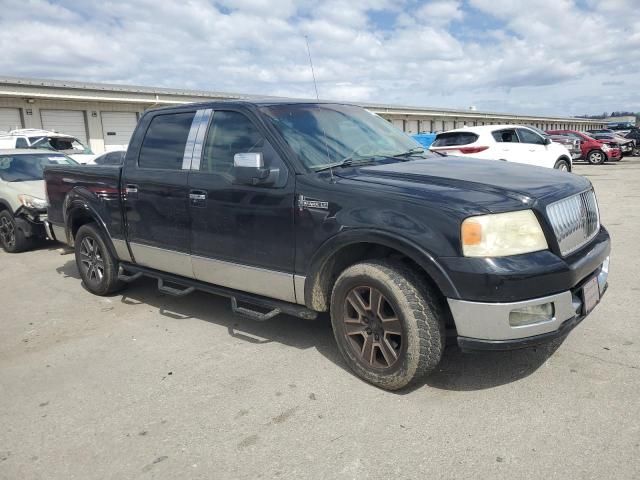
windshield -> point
(322, 135)
(60, 144)
(27, 167)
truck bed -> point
(91, 184)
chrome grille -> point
(575, 221)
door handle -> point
(131, 190)
(198, 198)
(197, 195)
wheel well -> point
(78, 219)
(566, 159)
(325, 277)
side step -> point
(253, 314)
(272, 306)
(174, 291)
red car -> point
(593, 151)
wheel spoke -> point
(388, 352)
(367, 349)
(353, 328)
(392, 325)
(376, 300)
(356, 302)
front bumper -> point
(486, 326)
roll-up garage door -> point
(399, 124)
(117, 128)
(69, 122)
(412, 127)
(10, 119)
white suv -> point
(511, 143)
(44, 139)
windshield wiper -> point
(347, 162)
(408, 153)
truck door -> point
(242, 229)
(156, 200)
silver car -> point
(23, 207)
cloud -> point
(538, 57)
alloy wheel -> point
(372, 329)
(7, 232)
(91, 260)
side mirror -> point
(547, 141)
(249, 169)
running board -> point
(253, 314)
(123, 277)
(174, 291)
(272, 306)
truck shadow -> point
(457, 371)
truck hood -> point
(492, 178)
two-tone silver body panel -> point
(246, 278)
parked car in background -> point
(634, 134)
(511, 143)
(424, 139)
(571, 144)
(593, 151)
(115, 157)
(47, 140)
(23, 207)
(617, 126)
(294, 207)
(626, 145)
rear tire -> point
(388, 325)
(562, 165)
(97, 266)
(596, 157)
(12, 239)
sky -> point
(548, 57)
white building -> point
(104, 115)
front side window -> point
(165, 140)
(323, 134)
(29, 167)
(229, 133)
(527, 136)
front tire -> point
(97, 266)
(388, 325)
(562, 165)
(596, 157)
(12, 239)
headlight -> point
(502, 234)
(32, 202)
(606, 148)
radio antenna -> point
(313, 73)
(315, 86)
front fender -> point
(425, 259)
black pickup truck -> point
(305, 207)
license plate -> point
(591, 295)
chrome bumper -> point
(490, 321)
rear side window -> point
(452, 139)
(21, 143)
(164, 142)
(507, 135)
